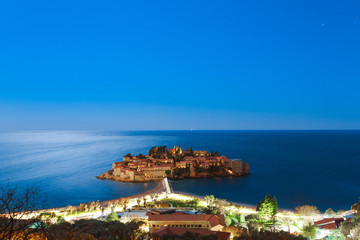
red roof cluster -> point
(329, 223)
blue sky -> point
(179, 64)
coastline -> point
(105, 176)
(160, 189)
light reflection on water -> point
(64, 164)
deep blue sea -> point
(319, 168)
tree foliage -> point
(309, 231)
(356, 207)
(94, 229)
(188, 236)
(140, 156)
(267, 208)
(329, 212)
(112, 217)
(307, 210)
(210, 201)
(18, 204)
(267, 235)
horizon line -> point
(150, 130)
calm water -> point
(300, 167)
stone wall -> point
(157, 173)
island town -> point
(174, 163)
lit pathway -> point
(168, 188)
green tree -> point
(340, 211)
(188, 235)
(267, 209)
(309, 231)
(210, 201)
(112, 217)
(356, 206)
(138, 201)
(329, 212)
(144, 199)
(194, 202)
(267, 235)
(335, 235)
(275, 208)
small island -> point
(174, 164)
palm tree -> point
(152, 197)
(71, 209)
(144, 199)
(138, 201)
(125, 202)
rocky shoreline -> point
(109, 176)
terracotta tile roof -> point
(166, 165)
(139, 160)
(156, 166)
(162, 159)
(214, 220)
(118, 164)
(205, 164)
(327, 220)
(181, 231)
(329, 226)
(329, 223)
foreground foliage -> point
(17, 204)
(351, 229)
(188, 236)
(94, 229)
(267, 235)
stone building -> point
(237, 166)
(184, 220)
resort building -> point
(184, 220)
(327, 225)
